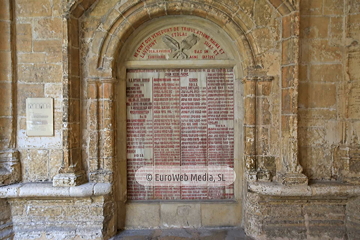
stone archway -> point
(108, 48)
(121, 21)
(136, 54)
(98, 77)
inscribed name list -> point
(179, 117)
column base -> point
(252, 176)
(69, 179)
(264, 175)
(290, 179)
(10, 171)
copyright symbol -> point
(149, 177)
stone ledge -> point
(314, 189)
(23, 190)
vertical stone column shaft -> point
(9, 157)
(291, 172)
(106, 129)
(101, 129)
(71, 172)
(250, 127)
(253, 124)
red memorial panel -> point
(179, 117)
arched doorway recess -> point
(187, 70)
(103, 72)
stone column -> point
(254, 121)
(291, 172)
(71, 172)
(101, 114)
(9, 157)
(250, 127)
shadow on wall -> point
(6, 226)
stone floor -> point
(179, 234)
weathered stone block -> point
(310, 7)
(28, 91)
(326, 73)
(336, 29)
(354, 165)
(24, 37)
(48, 46)
(250, 111)
(5, 37)
(317, 95)
(35, 165)
(31, 58)
(213, 215)
(288, 76)
(352, 68)
(42, 26)
(55, 161)
(314, 160)
(267, 164)
(354, 6)
(142, 215)
(314, 27)
(5, 99)
(262, 140)
(53, 90)
(33, 8)
(40, 73)
(249, 140)
(320, 51)
(289, 100)
(4, 10)
(265, 39)
(333, 7)
(6, 130)
(289, 51)
(263, 12)
(180, 215)
(354, 26)
(5, 66)
(311, 136)
(290, 24)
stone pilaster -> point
(100, 112)
(291, 172)
(9, 156)
(71, 172)
(254, 123)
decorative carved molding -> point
(110, 42)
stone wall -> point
(329, 109)
(62, 218)
(296, 218)
(39, 34)
(6, 228)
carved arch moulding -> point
(99, 74)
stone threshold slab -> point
(314, 189)
(25, 190)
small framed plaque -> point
(39, 117)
